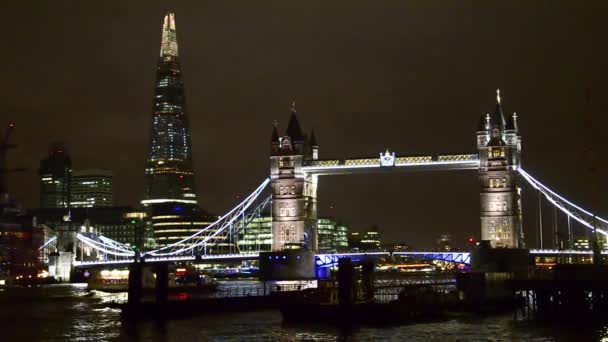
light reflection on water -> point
(68, 313)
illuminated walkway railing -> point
(174, 258)
(48, 242)
(585, 217)
(440, 162)
(563, 252)
(227, 224)
(328, 260)
(231, 223)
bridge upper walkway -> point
(390, 161)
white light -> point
(167, 200)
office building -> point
(91, 189)
(55, 178)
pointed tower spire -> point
(313, 138)
(484, 123)
(293, 128)
(498, 118)
(168, 45)
(275, 133)
(314, 146)
(512, 123)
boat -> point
(181, 280)
(414, 303)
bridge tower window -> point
(498, 152)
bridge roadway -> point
(389, 161)
(328, 259)
(322, 259)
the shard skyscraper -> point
(170, 194)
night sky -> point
(411, 76)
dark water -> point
(64, 313)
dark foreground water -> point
(65, 313)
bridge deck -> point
(390, 162)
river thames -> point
(68, 313)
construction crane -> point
(4, 146)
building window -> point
(498, 152)
(286, 162)
(292, 190)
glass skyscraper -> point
(170, 196)
(169, 173)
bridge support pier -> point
(346, 284)
(162, 284)
(135, 283)
(289, 264)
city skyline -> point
(222, 125)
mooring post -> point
(346, 282)
(162, 283)
(135, 283)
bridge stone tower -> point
(499, 145)
(293, 193)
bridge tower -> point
(289, 191)
(310, 193)
(499, 145)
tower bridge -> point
(295, 168)
(293, 184)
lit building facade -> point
(257, 236)
(170, 197)
(444, 243)
(55, 179)
(333, 236)
(499, 145)
(20, 239)
(171, 222)
(91, 188)
(583, 244)
(368, 240)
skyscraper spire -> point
(170, 175)
(170, 198)
(168, 45)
